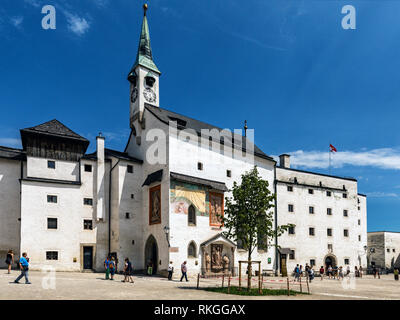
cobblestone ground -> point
(93, 286)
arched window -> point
(192, 216)
(192, 250)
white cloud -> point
(17, 21)
(34, 3)
(383, 158)
(76, 24)
(382, 195)
(10, 142)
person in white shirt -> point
(170, 270)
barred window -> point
(51, 255)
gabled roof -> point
(54, 128)
(215, 238)
(12, 153)
(217, 185)
(184, 122)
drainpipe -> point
(276, 222)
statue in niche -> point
(208, 262)
(216, 258)
(226, 262)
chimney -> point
(284, 161)
(100, 205)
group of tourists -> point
(308, 272)
(111, 267)
(23, 264)
(334, 272)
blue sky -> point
(287, 67)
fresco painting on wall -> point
(182, 195)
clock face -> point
(134, 95)
(149, 95)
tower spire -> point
(144, 56)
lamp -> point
(166, 231)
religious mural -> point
(216, 208)
(155, 205)
(182, 195)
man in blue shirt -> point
(24, 265)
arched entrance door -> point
(151, 253)
(330, 261)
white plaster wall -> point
(316, 247)
(65, 170)
(10, 173)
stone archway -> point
(151, 253)
(330, 260)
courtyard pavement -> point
(92, 286)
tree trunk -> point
(249, 271)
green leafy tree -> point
(249, 218)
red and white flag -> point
(332, 148)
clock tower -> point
(143, 77)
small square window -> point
(311, 231)
(199, 166)
(345, 213)
(87, 224)
(328, 193)
(132, 196)
(87, 201)
(88, 168)
(127, 215)
(346, 232)
(329, 211)
(310, 191)
(359, 237)
(359, 222)
(51, 164)
(388, 250)
(51, 223)
(228, 173)
(359, 208)
(345, 195)
(292, 255)
(346, 261)
(51, 199)
(312, 262)
(291, 230)
(129, 168)
(311, 210)
(290, 208)
(329, 232)
(51, 255)
(290, 188)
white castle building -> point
(159, 199)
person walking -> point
(170, 270)
(322, 272)
(374, 271)
(378, 271)
(112, 267)
(330, 271)
(150, 268)
(341, 274)
(311, 273)
(128, 271)
(296, 273)
(9, 260)
(301, 271)
(356, 272)
(396, 274)
(335, 272)
(107, 267)
(348, 271)
(184, 271)
(24, 266)
(360, 271)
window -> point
(328, 193)
(329, 232)
(88, 167)
(239, 244)
(51, 223)
(346, 232)
(310, 191)
(346, 261)
(312, 262)
(311, 231)
(394, 250)
(359, 222)
(132, 196)
(51, 164)
(51, 255)
(345, 195)
(388, 250)
(87, 224)
(291, 230)
(290, 188)
(191, 216)
(51, 199)
(359, 208)
(262, 243)
(358, 200)
(330, 246)
(311, 210)
(345, 213)
(329, 211)
(199, 166)
(127, 215)
(129, 168)
(290, 208)
(228, 173)
(192, 250)
(359, 237)
(292, 255)
(88, 201)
